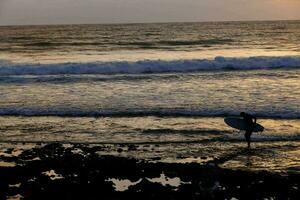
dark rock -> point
(132, 148)
(86, 175)
(119, 150)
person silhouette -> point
(250, 121)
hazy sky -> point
(128, 11)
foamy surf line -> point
(151, 66)
(141, 113)
(266, 139)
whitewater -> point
(144, 66)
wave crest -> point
(150, 66)
(65, 112)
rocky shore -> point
(54, 171)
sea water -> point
(164, 87)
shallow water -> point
(167, 139)
(143, 130)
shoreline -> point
(78, 172)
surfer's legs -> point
(248, 137)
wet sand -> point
(56, 171)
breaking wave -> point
(158, 43)
(67, 112)
(151, 66)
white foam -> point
(267, 113)
(149, 66)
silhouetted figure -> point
(250, 124)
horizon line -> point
(132, 23)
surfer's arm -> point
(254, 119)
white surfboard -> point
(239, 123)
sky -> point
(26, 12)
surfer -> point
(250, 121)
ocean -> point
(165, 87)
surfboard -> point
(239, 123)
